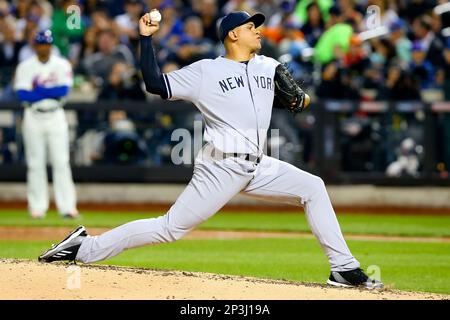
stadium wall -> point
(367, 196)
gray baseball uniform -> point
(235, 100)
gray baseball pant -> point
(214, 183)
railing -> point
(344, 142)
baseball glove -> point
(288, 94)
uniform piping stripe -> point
(169, 89)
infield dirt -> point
(24, 279)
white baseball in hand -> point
(155, 15)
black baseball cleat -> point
(67, 249)
(353, 279)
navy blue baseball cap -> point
(44, 37)
(236, 19)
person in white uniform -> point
(235, 94)
(42, 82)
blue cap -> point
(335, 11)
(236, 19)
(397, 25)
(166, 4)
(417, 46)
(288, 5)
(44, 37)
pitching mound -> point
(22, 279)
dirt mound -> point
(23, 279)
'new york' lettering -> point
(231, 83)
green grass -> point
(400, 225)
(404, 266)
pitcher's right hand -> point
(146, 26)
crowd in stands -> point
(325, 43)
(321, 39)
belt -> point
(219, 155)
(244, 156)
(45, 110)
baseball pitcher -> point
(42, 82)
(235, 94)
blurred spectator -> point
(104, 48)
(169, 67)
(6, 13)
(239, 5)
(399, 85)
(401, 43)
(151, 4)
(314, 25)
(269, 49)
(128, 23)
(119, 143)
(20, 9)
(159, 139)
(123, 84)
(292, 42)
(285, 143)
(6, 154)
(333, 86)
(67, 38)
(411, 9)
(447, 70)
(192, 46)
(325, 25)
(436, 26)
(407, 162)
(446, 116)
(357, 144)
(334, 17)
(114, 7)
(99, 65)
(324, 5)
(209, 13)
(285, 14)
(100, 20)
(432, 45)
(375, 72)
(172, 29)
(267, 7)
(334, 42)
(9, 52)
(355, 60)
(421, 68)
(89, 44)
(34, 11)
(351, 13)
(275, 27)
